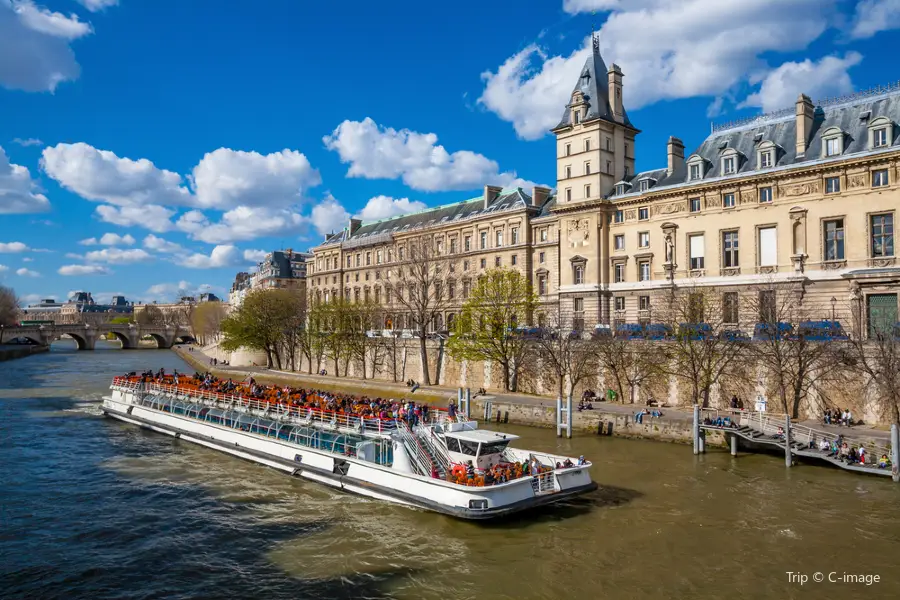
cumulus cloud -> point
(383, 207)
(240, 224)
(23, 272)
(3, 268)
(18, 192)
(173, 291)
(13, 247)
(873, 16)
(376, 152)
(118, 256)
(221, 256)
(668, 49)
(109, 239)
(151, 216)
(70, 270)
(28, 142)
(34, 46)
(254, 255)
(826, 77)
(158, 244)
(329, 215)
(97, 5)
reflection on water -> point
(94, 508)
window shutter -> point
(768, 247)
(697, 246)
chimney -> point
(354, 225)
(539, 195)
(615, 92)
(490, 194)
(674, 155)
(805, 111)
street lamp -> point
(833, 303)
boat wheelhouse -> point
(423, 463)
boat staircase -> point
(767, 429)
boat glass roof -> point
(481, 435)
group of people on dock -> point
(844, 418)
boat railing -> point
(543, 483)
(422, 461)
(435, 445)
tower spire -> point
(595, 39)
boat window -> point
(494, 447)
(452, 444)
(470, 448)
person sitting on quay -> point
(779, 435)
(883, 462)
(824, 446)
(652, 402)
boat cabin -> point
(483, 447)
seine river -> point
(93, 508)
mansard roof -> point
(593, 83)
(507, 199)
(851, 115)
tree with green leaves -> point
(260, 322)
(206, 321)
(485, 329)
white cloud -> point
(18, 193)
(221, 256)
(228, 179)
(27, 259)
(158, 244)
(114, 239)
(28, 142)
(23, 272)
(101, 176)
(873, 16)
(827, 77)
(117, 256)
(3, 268)
(83, 270)
(254, 256)
(668, 49)
(376, 152)
(240, 224)
(329, 215)
(91, 241)
(97, 5)
(169, 292)
(383, 207)
(153, 217)
(581, 6)
(34, 46)
(13, 247)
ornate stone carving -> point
(630, 214)
(671, 208)
(882, 262)
(578, 231)
(800, 189)
(858, 180)
(713, 201)
(730, 271)
(767, 270)
(697, 273)
(834, 265)
(748, 197)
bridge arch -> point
(126, 342)
(34, 340)
(81, 341)
(160, 341)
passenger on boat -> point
(470, 471)
(581, 460)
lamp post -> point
(833, 303)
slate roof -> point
(781, 129)
(507, 199)
(593, 82)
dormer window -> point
(644, 185)
(832, 142)
(765, 159)
(576, 116)
(766, 155)
(881, 133)
(622, 188)
(695, 167)
(695, 172)
(728, 167)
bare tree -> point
(701, 348)
(629, 363)
(570, 356)
(206, 321)
(9, 306)
(311, 338)
(875, 354)
(797, 358)
(417, 282)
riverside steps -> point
(760, 431)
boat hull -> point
(350, 474)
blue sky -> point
(155, 147)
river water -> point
(95, 508)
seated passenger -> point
(883, 462)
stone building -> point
(807, 196)
(284, 269)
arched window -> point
(578, 275)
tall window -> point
(728, 200)
(730, 249)
(644, 239)
(619, 303)
(465, 265)
(515, 235)
(378, 254)
(643, 213)
(834, 239)
(568, 194)
(765, 159)
(578, 274)
(578, 305)
(499, 234)
(587, 191)
(832, 185)
(451, 290)
(765, 195)
(696, 249)
(542, 285)
(348, 261)
(694, 204)
(465, 290)
(619, 272)
(453, 246)
(544, 234)
(879, 138)
(768, 247)
(587, 145)
(728, 165)
(619, 217)
(767, 312)
(467, 243)
(730, 307)
(694, 172)
(609, 144)
(541, 257)
(568, 149)
(882, 235)
(644, 270)
(832, 147)
(587, 168)
(514, 259)
(880, 178)
(496, 261)
(483, 240)
(483, 263)
(619, 242)
(568, 171)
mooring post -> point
(468, 402)
(559, 416)
(787, 441)
(695, 430)
(459, 399)
(569, 416)
(895, 452)
(734, 444)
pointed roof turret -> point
(594, 90)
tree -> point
(149, 315)
(311, 339)
(9, 306)
(485, 329)
(567, 353)
(630, 363)
(701, 350)
(339, 327)
(795, 360)
(206, 321)
(259, 323)
(121, 320)
(874, 353)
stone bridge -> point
(86, 335)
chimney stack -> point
(615, 92)
(539, 195)
(674, 154)
(354, 225)
(490, 194)
(805, 112)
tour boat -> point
(424, 465)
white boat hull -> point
(352, 474)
